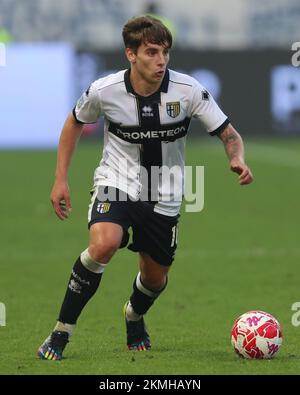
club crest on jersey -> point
(103, 208)
(173, 109)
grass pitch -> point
(240, 253)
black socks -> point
(142, 298)
(82, 286)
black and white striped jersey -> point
(147, 133)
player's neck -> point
(141, 86)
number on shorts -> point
(174, 236)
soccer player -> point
(147, 110)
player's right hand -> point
(60, 199)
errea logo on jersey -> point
(147, 111)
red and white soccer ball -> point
(256, 334)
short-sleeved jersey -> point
(147, 133)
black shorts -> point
(152, 233)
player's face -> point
(150, 62)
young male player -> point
(147, 111)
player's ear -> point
(131, 56)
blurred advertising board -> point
(258, 90)
(40, 84)
(36, 93)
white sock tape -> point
(131, 315)
(89, 263)
(62, 327)
(145, 291)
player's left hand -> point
(245, 174)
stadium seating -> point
(95, 24)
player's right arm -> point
(87, 110)
(60, 195)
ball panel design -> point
(256, 335)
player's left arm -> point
(234, 148)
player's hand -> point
(245, 174)
(60, 199)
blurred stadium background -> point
(240, 51)
(240, 253)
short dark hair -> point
(146, 29)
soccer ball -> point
(256, 334)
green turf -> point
(242, 252)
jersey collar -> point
(163, 87)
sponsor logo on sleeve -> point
(205, 95)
